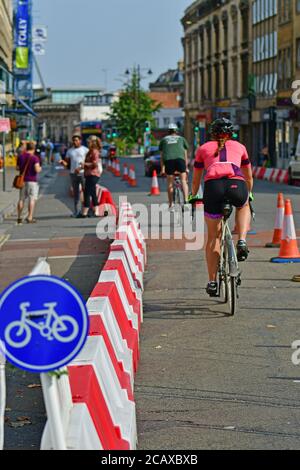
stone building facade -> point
(218, 59)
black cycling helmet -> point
(221, 128)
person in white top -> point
(75, 158)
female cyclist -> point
(228, 177)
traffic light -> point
(114, 133)
(147, 126)
(196, 128)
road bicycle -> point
(229, 274)
(178, 199)
(63, 328)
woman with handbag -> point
(29, 165)
(92, 172)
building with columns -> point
(6, 34)
(218, 59)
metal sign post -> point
(2, 397)
(4, 152)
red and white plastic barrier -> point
(274, 175)
(95, 402)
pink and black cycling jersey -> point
(227, 164)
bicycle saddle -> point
(227, 210)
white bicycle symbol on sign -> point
(60, 324)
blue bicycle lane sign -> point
(44, 323)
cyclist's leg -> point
(185, 186)
(213, 247)
(170, 183)
(238, 194)
(169, 167)
(181, 168)
(214, 191)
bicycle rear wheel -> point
(230, 287)
(179, 207)
(232, 295)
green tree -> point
(132, 110)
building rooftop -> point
(166, 99)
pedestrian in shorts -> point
(29, 161)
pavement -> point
(205, 380)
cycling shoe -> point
(242, 251)
(212, 289)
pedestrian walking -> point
(49, 151)
(29, 165)
(74, 160)
(265, 157)
(92, 173)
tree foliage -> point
(132, 110)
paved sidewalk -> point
(9, 198)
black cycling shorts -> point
(172, 166)
(216, 192)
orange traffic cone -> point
(289, 252)
(125, 172)
(155, 187)
(118, 172)
(278, 223)
(133, 182)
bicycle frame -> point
(228, 244)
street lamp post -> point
(138, 71)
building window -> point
(235, 33)
(209, 42)
(202, 85)
(245, 24)
(284, 7)
(225, 76)
(298, 53)
(288, 67)
(196, 89)
(217, 33)
(217, 81)
(234, 78)
(254, 13)
(202, 46)
(245, 76)
(166, 121)
(280, 70)
(209, 84)
(298, 6)
(226, 37)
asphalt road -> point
(205, 380)
(208, 381)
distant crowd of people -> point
(84, 164)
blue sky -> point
(86, 37)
